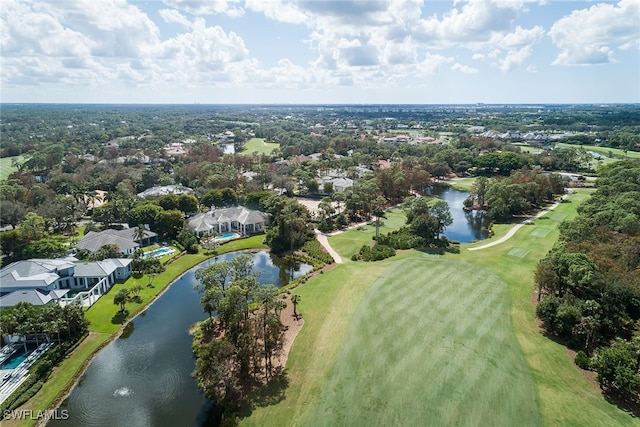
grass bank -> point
(105, 325)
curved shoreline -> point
(85, 365)
(518, 226)
(66, 392)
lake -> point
(467, 226)
(144, 377)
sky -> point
(320, 51)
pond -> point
(144, 377)
(467, 226)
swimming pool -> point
(17, 358)
(158, 253)
(226, 236)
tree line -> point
(589, 283)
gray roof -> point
(337, 182)
(206, 221)
(201, 222)
(164, 190)
(239, 214)
(32, 296)
(96, 269)
(94, 240)
(33, 273)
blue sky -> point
(320, 51)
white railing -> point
(87, 298)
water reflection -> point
(467, 225)
(144, 379)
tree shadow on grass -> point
(119, 318)
(629, 405)
(454, 249)
(269, 394)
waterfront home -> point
(239, 219)
(39, 281)
(124, 239)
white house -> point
(94, 240)
(240, 219)
(43, 280)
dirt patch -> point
(292, 326)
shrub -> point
(376, 253)
(314, 250)
(582, 360)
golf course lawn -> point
(431, 343)
(421, 339)
(7, 166)
(259, 146)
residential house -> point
(340, 184)
(88, 274)
(239, 219)
(33, 297)
(46, 281)
(94, 240)
(164, 190)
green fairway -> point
(566, 397)
(540, 232)
(606, 151)
(8, 165)
(518, 252)
(259, 146)
(426, 340)
(462, 184)
(431, 343)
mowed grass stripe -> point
(430, 344)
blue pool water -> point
(226, 236)
(16, 358)
(157, 252)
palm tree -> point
(295, 299)
(139, 233)
(378, 210)
(122, 297)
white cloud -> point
(476, 22)
(209, 7)
(514, 58)
(278, 10)
(465, 69)
(590, 36)
(172, 15)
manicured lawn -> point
(462, 184)
(425, 340)
(566, 397)
(416, 341)
(7, 167)
(431, 343)
(260, 146)
(327, 305)
(350, 242)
